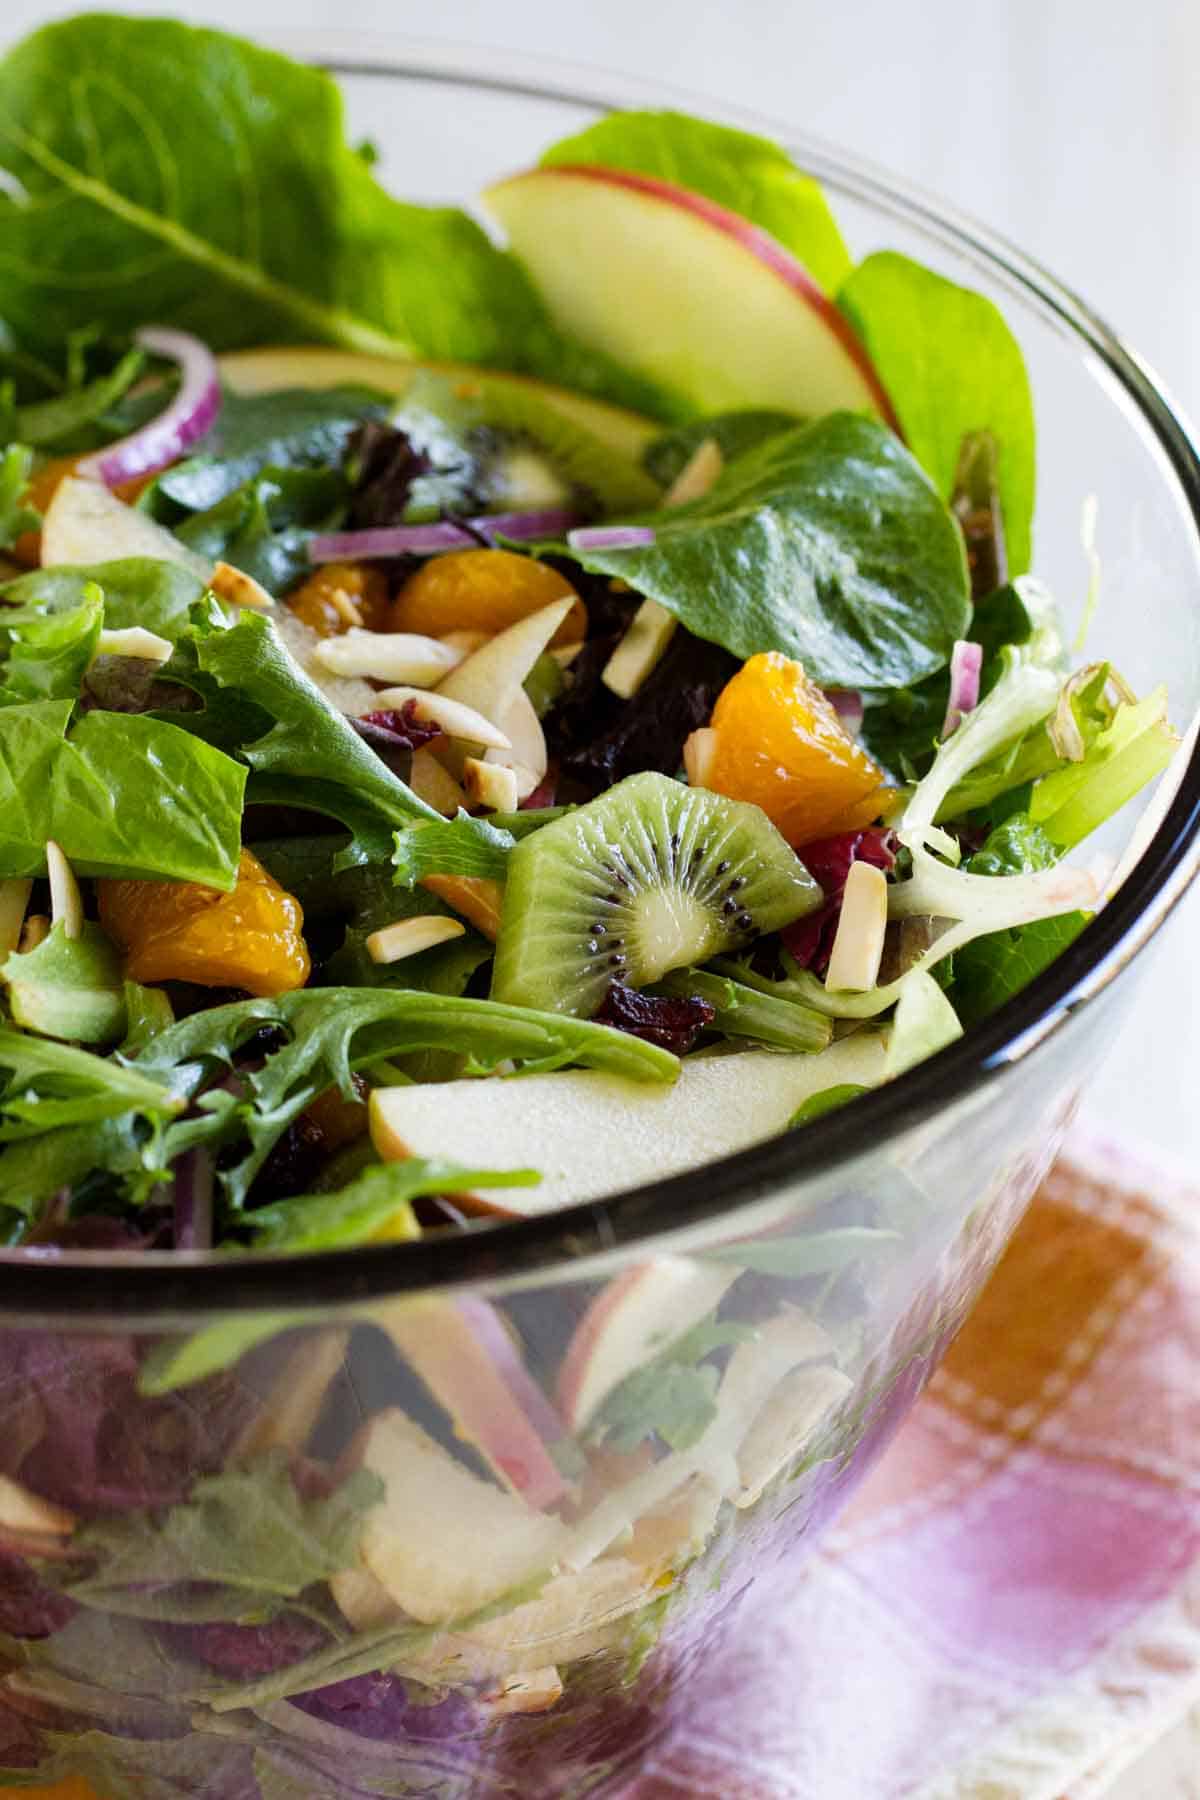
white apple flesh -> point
(592, 1134)
(691, 296)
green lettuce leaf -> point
(68, 987)
(458, 846)
(131, 796)
(950, 365)
(44, 656)
(136, 591)
(826, 542)
(265, 526)
(746, 174)
(994, 968)
(381, 1196)
(47, 423)
(746, 1012)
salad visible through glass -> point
(493, 714)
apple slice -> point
(695, 298)
(590, 1133)
(314, 366)
(786, 1427)
(462, 1351)
(635, 1317)
(442, 1542)
(85, 523)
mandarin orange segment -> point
(179, 931)
(483, 590)
(341, 594)
(780, 744)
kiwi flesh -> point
(494, 446)
(651, 876)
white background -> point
(1071, 125)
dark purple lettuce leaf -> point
(74, 1428)
(388, 463)
(28, 1608)
(598, 739)
(672, 1024)
(380, 1706)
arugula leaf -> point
(950, 366)
(994, 968)
(68, 987)
(376, 1205)
(673, 1395)
(46, 422)
(45, 655)
(458, 846)
(826, 542)
(745, 1012)
(749, 175)
(129, 796)
(265, 526)
(16, 463)
(291, 428)
(137, 590)
(332, 1031)
(246, 1529)
(260, 705)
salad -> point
(490, 718)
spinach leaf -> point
(951, 366)
(261, 706)
(186, 175)
(991, 969)
(376, 1205)
(826, 542)
(15, 516)
(746, 174)
(265, 526)
(130, 796)
(246, 1530)
(137, 590)
(45, 656)
(293, 428)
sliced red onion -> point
(847, 704)
(491, 1332)
(440, 534)
(185, 419)
(611, 537)
(966, 662)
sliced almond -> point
(135, 641)
(640, 650)
(433, 783)
(388, 656)
(699, 754)
(478, 899)
(452, 716)
(858, 945)
(699, 473)
(14, 898)
(21, 1510)
(533, 1690)
(392, 943)
(66, 902)
(491, 785)
(237, 588)
(346, 607)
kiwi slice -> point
(500, 446)
(650, 876)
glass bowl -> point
(342, 1541)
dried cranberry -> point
(656, 1019)
(398, 727)
(246, 1650)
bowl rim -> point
(160, 1288)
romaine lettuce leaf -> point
(746, 174)
(136, 590)
(951, 366)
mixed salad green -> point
(488, 718)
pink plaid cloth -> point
(1011, 1608)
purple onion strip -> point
(966, 663)
(383, 541)
(194, 1201)
(185, 419)
(611, 537)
